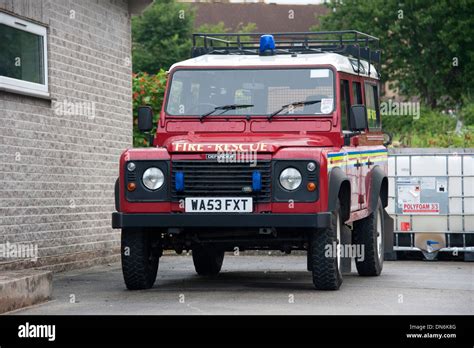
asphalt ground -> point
(260, 285)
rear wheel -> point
(324, 257)
(368, 233)
(207, 260)
(140, 256)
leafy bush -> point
(147, 90)
(432, 129)
(467, 114)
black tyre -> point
(207, 260)
(368, 233)
(140, 256)
(326, 266)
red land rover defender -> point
(264, 142)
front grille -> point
(207, 178)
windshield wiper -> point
(226, 108)
(300, 103)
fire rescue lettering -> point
(185, 147)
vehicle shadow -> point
(243, 281)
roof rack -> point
(349, 43)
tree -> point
(427, 46)
(221, 28)
(162, 36)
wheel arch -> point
(339, 188)
(378, 188)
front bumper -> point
(192, 220)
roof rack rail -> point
(350, 43)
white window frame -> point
(20, 86)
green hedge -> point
(432, 129)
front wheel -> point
(140, 256)
(369, 233)
(324, 257)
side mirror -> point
(358, 118)
(145, 118)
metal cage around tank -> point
(437, 187)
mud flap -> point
(389, 254)
(346, 239)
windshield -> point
(196, 92)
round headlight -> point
(153, 178)
(290, 179)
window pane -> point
(344, 104)
(175, 94)
(21, 55)
(371, 102)
(357, 94)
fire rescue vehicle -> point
(263, 142)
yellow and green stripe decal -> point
(341, 159)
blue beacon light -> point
(267, 45)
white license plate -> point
(218, 205)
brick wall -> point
(58, 167)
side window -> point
(356, 93)
(372, 104)
(23, 56)
(345, 104)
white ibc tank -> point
(431, 199)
